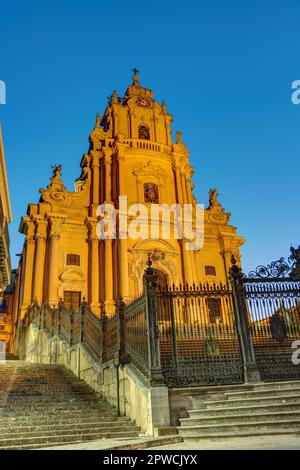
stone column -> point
(123, 253)
(94, 266)
(124, 290)
(53, 265)
(189, 191)
(108, 258)
(94, 243)
(95, 169)
(227, 254)
(38, 280)
(187, 264)
(108, 301)
(107, 163)
(178, 185)
(183, 185)
(193, 266)
(29, 261)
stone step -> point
(86, 431)
(247, 426)
(47, 405)
(56, 412)
(60, 386)
(239, 418)
(263, 393)
(241, 410)
(252, 401)
(61, 426)
(29, 421)
(240, 434)
(52, 398)
(54, 404)
(42, 441)
(276, 385)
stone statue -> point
(164, 107)
(213, 197)
(56, 170)
(295, 254)
(178, 137)
(98, 120)
(114, 97)
(295, 259)
(97, 134)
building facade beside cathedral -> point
(131, 154)
(5, 262)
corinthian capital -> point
(91, 224)
(54, 235)
(107, 153)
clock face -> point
(144, 102)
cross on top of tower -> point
(135, 77)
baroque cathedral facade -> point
(131, 154)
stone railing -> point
(147, 145)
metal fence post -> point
(150, 287)
(174, 336)
(52, 321)
(71, 325)
(81, 319)
(103, 328)
(121, 332)
(251, 371)
(59, 318)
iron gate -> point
(273, 303)
(199, 344)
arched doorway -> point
(162, 302)
(162, 281)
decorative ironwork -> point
(281, 268)
(276, 269)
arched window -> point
(144, 133)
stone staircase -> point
(263, 410)
(46, 405)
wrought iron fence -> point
(200, 335)
(274, 317)
(64, 324)
(91, 332)
(110, 338)
(199, 343)
(136, 334)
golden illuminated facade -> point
(131, 154)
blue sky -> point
(224, 68)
